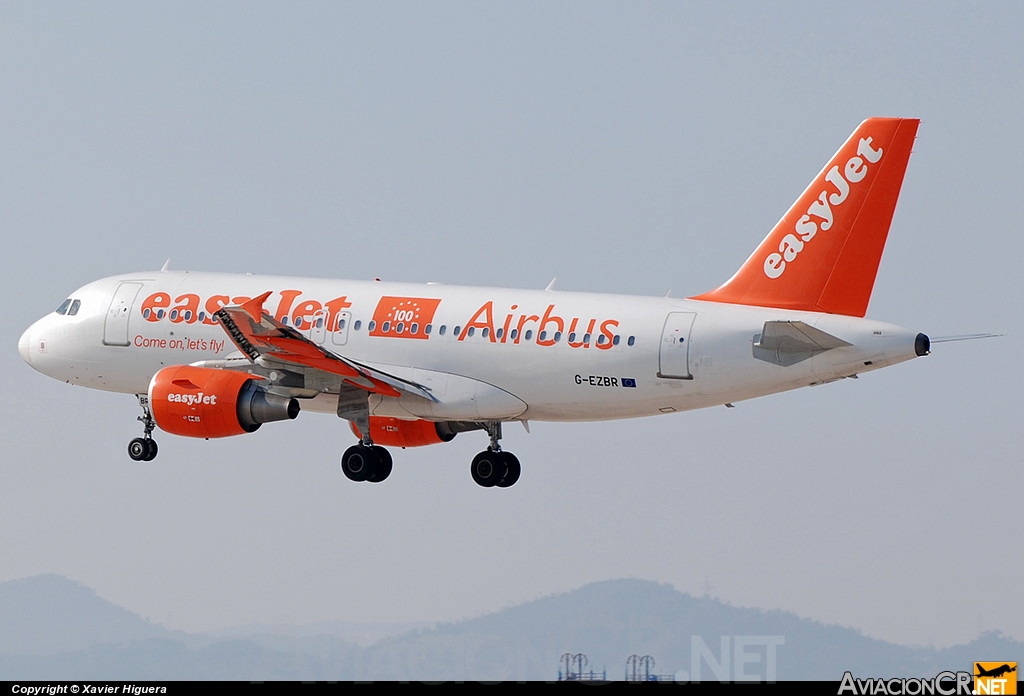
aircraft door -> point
(339, 332)
(673, 357)
(115, 324)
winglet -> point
(823, 255)
(255, 306)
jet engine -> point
(394, 432)
(205, 402)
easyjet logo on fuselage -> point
(189, 308)
(820, 214)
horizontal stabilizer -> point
(789, 342)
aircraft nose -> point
(24, 344)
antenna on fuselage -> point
(166, 266)
(551, 285)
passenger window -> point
(457, 330)
(615, 341)
(471, 331)
(558, 336)
(63, 307)
(529, 334)
(74, 308)
(543, 335)
(442, 329)
(632, 340)
(414, 329)
(358, 325)
(372, 325)
(499, 333)
(427, 329)
(513, 333)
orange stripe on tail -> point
(823, 255)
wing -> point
(265, 340)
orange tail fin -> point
(823, 255)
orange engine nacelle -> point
(203, 402)
(395, 432)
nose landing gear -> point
(144, 449)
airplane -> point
(214, 355)
(995, 672)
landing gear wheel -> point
(358, 462)
(488, 468)
(151, 450)
(382, 465)
(512, 471)
(138, 448)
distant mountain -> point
(49, 614)
(607, 621)
(359, 632)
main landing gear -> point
(494, 467)
(366, 463)
(144, 449)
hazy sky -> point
(630, 147)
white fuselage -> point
(491, 353)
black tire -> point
(151, 450)
(488, 468)
(382, 465)
(358, 463)
(513, 469)
(138, 449)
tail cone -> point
(922, 345)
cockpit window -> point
(74, 308)
(64, 307)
